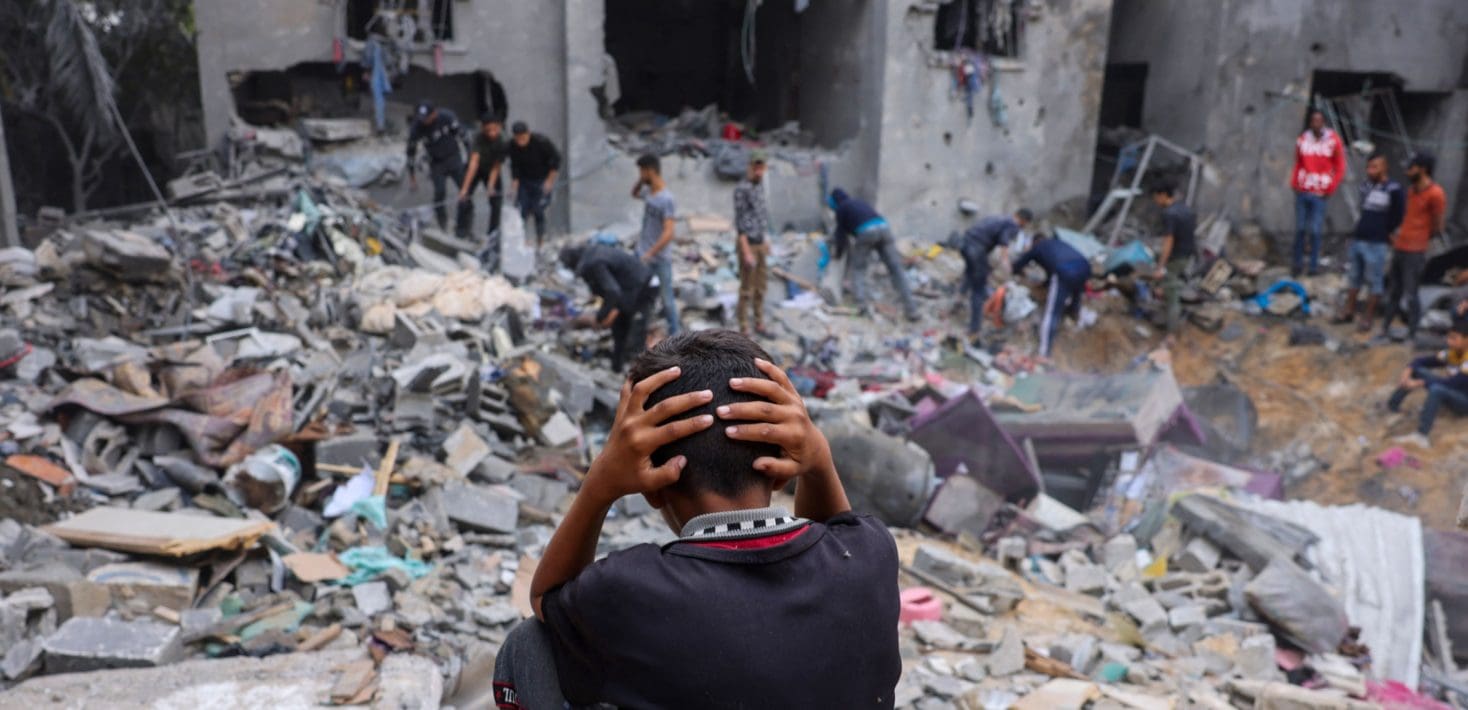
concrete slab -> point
(143, 586)
(292, 681)
(482, 508)
(89, 644)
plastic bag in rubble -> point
(1017, 303)
(1302, 608)
(367, 563)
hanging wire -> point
(746, 39)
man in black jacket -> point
(439, 131)
(622, 282)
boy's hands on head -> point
(781, 420)
(625, 464)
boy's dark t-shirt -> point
(1179, 221)
(811, 622)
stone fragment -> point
(1148, 613)
(946, 566)
(1188, 615)
(481, 508)
(1008, 657)
(1199, 555)
(464, 449)
(1255, 658)
(142, 586)
(559, 430)
(372, 598)
(89, 644)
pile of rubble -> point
(281, 421)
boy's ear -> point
(655, 499)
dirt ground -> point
(1335, 401)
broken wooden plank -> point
(165, 534)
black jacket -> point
(440, 140)
(534, 162)
(616, 275)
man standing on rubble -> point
(438, 129)
(1320, 164)
(1067, 270)
(659, 215)
(752, 221)
(490, 150)
(857, 222)
(534, 165)
(976, 244)
(1179, 225)
(621, 281)
(1382, 205)
(1427, 208)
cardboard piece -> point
(165, 534)
(315, 566)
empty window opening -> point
(417, 22)
(762, 64)
(988, 26)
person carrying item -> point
(1427, 208)
(485, 162)
(439, 131)
(659, 216)
(1444, 376)
(622, 282)
(1067, 271)
(864, 231)
(706, 429)
(752, 223)
(975, 245)
(534, 165)
(1382, 205)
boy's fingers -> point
(672, 406)
(666, 474)
(753, 412)
(622, 401)
(642, 390)
(767, 389)
(778, 469)
(673, 431)
(764, 433)
(777, 374)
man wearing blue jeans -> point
(658, 215)
(865, 232)
(1450, 388)
(1320, 163)
(1382, 205)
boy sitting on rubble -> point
(1449, 388)
(751, 606)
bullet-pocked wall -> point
(934, 152)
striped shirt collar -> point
(739, 524)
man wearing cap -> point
(752, 221)
(438, 130)
(485, 163)
(976, 244)
(534, 164)
(1427, 208)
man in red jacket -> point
(1320, 165)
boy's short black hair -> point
(1376, 155)
(1426, 161)
(490, 117)
(708, 358)
(1164, 187)
(651, 162)
(519, 128)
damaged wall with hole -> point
(934, 153)
(1239, 96)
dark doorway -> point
(763, 64)
(1123, 99)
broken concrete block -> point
(494, 469)
(358, 449)
(73, 594)
(962, 504)
(1080, 651)
(937, 634)
(1301, 607)
(1086, 579)
(1148, 613)
(946, 566)
(22, 660)
(89, 644)
(464, 449)
(559, 430)
(1199, 555)
(144, 586)
(193, 622)
(1119, 554)
(1255, 658)
(127, 255)
(161, 499)
(543, 493)
(482, 508)
(1188, 615)
(372, 598)
(1012, 549)
(1008, 657)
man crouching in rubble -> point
(751, 606)
(1450, 388)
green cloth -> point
(367, 563)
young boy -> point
(1449, 388)
(752, 221)
(751, 606)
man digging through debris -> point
(867, 232)
(975, 245)
(439, 132)
(1444, 376)
(751, 606)
(1067, 271)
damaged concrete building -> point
(916, 104)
